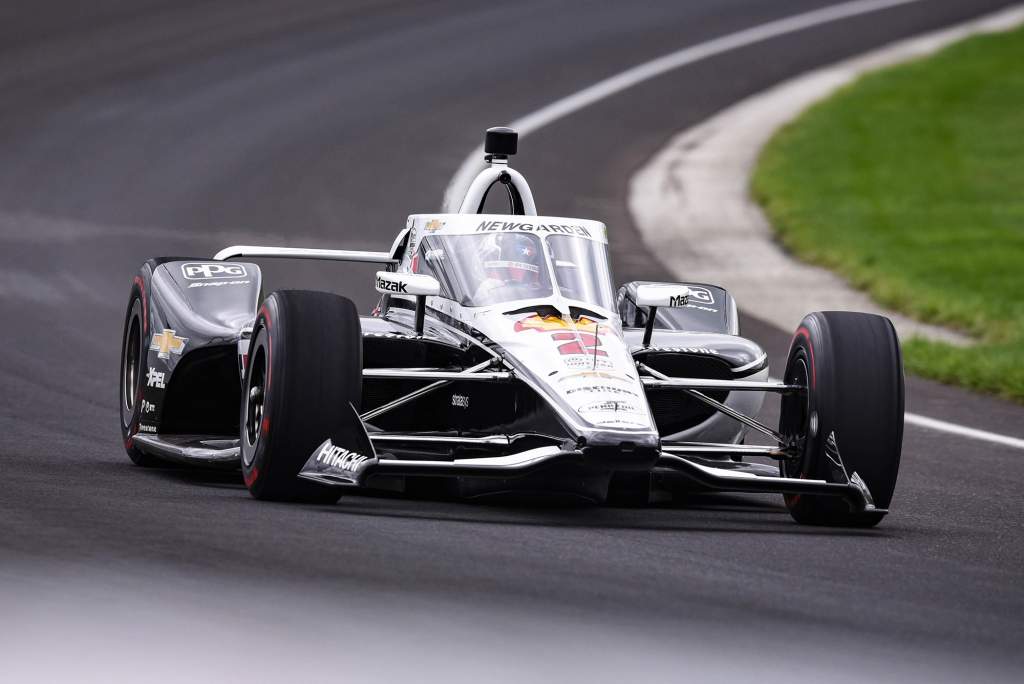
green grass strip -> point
(910, 183)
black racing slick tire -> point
(303, 370)
(852, 367)
(133, 368)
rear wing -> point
(306, 253)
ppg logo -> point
(212, 271)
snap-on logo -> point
(384, 285)
(210, 271)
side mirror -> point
(661, 294)
(670, 295)
(416, 284)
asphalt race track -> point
(133, 128)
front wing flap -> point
(337, 466)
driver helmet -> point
(518, 260)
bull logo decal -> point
(555, 323)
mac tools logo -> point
(212, 271)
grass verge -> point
(910, 183)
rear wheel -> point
(304, 370)
(852, 367)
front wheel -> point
(133, 368)
(852, 368)
(304, 370)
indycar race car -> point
(500, 359)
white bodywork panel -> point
(571, 351)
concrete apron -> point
(692, 205)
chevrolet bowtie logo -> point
(167, 343)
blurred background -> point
(131, 129)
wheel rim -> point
(795, 414)
(131, 368)
(255, 395)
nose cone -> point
(585, 369)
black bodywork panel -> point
(710, 309)
(194, 311)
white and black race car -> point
(499, 359)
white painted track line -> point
(656, 67)
(962, 431)
(918, 420)
(642, 72)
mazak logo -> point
(678, 300)
(211, 271)
(388, 285)
(339, 457)
(154, 378)
(460, 401)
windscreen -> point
(482, 270)
(581, 269)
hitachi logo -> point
(492, 226)
(390, 285)
(341, 458)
